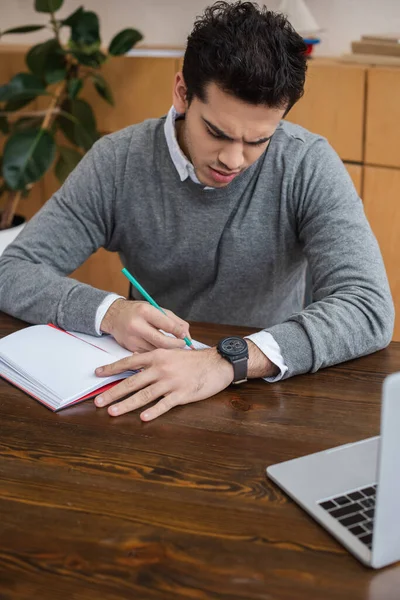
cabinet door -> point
(382, 146)
(142, 89)
(333, 106)
(382, 207)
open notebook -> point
(57, 367)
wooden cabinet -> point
(382, 207)
(142, 89)
(382, 143)
(333, 106)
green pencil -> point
(149, 298)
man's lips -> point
(222, 177)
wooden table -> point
(180, 508)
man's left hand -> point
(173, 377)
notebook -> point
(56, 367)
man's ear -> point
(179, 94)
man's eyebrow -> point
(224, 136)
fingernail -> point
(113, 410)
(99, 370)
(145, 416)
(99, 400)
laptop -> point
(354, 490)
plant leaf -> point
(4, 127)
(85, 34)
(124, 41)
(74, 86)
(22, 89)
(103, 88)
(22, 84)
(54, 72)
(73, 17)
(67, 161)
(47, 61)
(27, 123)
(94, 60)
(27, 156)
(82, 133)
(24, 29)
(48, 6)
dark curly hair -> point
(250, 52)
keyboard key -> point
(366, 539)
(369, 491)
(346, 510)
(328, 505)
(352, 520)
(342, 500)
(357, 530)
(355, 495)
(370, 513)
(368, 502)
(369, 525)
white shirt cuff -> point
(103, 308)
(268, 345)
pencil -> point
(147, 296)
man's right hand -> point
(135, 325)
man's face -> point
(224, 135)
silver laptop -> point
(354, 490)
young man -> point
(217, 209)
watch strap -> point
(240, 370)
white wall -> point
(169, 23)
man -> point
(217, 209)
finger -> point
(129, 363)
(184, 324)
(140, 345)
(141, 398)
(166, 320)
(160, 340)
(128, 386)
(163, 406)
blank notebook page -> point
(61, 362)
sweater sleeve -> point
(352, 312)
(72, 225)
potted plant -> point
(61, 134)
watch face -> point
(233, 346)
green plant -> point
(60, 72)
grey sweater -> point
(236, 255)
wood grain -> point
(142, 89)
(180, 508)
(382, 207)
(383, 117)
(333, 106)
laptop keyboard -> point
(354, 510)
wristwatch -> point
(235, 350)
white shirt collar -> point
(183, 165)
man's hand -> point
(177, 377)
(135, 325)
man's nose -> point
(231, 157)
